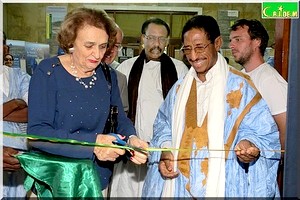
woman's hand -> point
(137, 156)
(106, 153)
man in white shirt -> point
(150, 76)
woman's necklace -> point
(79, 80)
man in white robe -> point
(150, 76)
(219, 136)
(15, 99)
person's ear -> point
(257, 42)
(168, 42)
(142, 40)
(218, 43)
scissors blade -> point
(141, 150)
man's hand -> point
(20, 103)
(246, 151)
(12, 106)
(166, 165)
(10, 163)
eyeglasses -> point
(8, 59)
(118, 46)
(152, 38)
(197, 49)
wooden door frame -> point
(282, 41)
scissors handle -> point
(121, 142)
(118, 140)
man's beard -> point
(151, 51)
(241, 61)
(244, 59)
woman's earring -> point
(71, 50)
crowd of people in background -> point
(183, 131)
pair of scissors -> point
(121, 142)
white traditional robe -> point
(128, 178)
(15, 85)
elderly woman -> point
(70, 98)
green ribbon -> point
(149, 149)
(76, 142)
(69, 141)
(57, 176)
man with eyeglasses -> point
(150, 76)
(113, 49)
(109, 58)
(219, 136)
